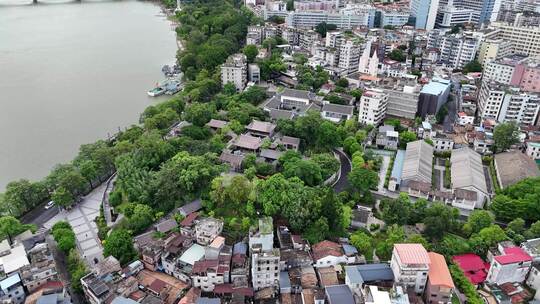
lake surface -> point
(70, 73)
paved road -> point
(81, 217)
(39, 215)
(342, 184)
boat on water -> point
(157, 91)
(169, 87)
(173, 87)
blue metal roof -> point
(353, 275)
(398, 165)
(10, 281)
(284, 280)
(436, 86)
(349, 249)
(122, 300)
(376, 272)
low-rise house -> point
(387, 137)
(12, 290)
(533, 149)
(533, 280)
(247, 143)
(474, 268)
(179, 263)
(284, 283)
(12, 258)
(442, 143)
(290, 143)
(261, 128)
(234, 160)
(295, 99)
(512, 265)
(216, 124)
(208, 273)
(189, 208)
(336, 112)
(328, 253)
(378, 274)
(239, 262)
(532, 248)
(99, 286)
(187, 225)
(464, 119)
(410, 265)
(361, 217)
(439, 286)
(270, 155)
(327, 276)
(151, 256)
(514, 166)
(207, 229)
(483, 142)
(42, 268)
(166, 225)
(339, 294)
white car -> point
(49, 205)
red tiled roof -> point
(157, 285)
(326, 248)
(223, 288)
(412, 253)
(189, 219)
(204, 265)
(513, 255)
(474, 268)
(438, 271)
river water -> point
(70, 73)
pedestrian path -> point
(81, 217)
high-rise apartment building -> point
(372, 107)
(525, 40)
(505, 103)
(456, 49)
(349, 55)
(425, 13)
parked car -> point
(49, 205)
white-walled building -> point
(533, 150)
(524, 39)
(235, 71)
(327, 253)
(442, 143)
(372, 108)
(456, 49)
(464, 119)
(451, 15)
(336, 112)
(264, 258)
(512, 266)
(368, 64)
(410, 265)
(504, 103)
(349, 54)
(394, 17)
